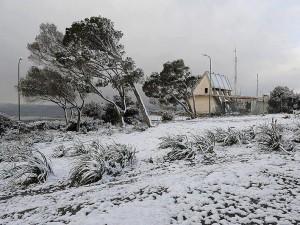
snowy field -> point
(241, 185)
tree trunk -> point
(78, 120)
(194, 105)
(120, 116)
(190, 108)
(187, 108)
(142, 107)
(66, 116)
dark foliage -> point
(173, 85)
(167, 116)
(5, 124)
(282, 99)
(92, 110)
(130, 116)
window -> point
(206, 90)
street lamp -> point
(19, 106)
(209, 91)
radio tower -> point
(235, 73)
(256, 85)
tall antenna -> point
(256, 85)
(235, 72)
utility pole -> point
(19, 96)
(257, 85)
(235, 72)
(209, 91)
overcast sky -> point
(266, 34)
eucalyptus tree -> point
(48, 85)
(95, 49)
(173, 85)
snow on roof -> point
(220, 81)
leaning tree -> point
(173, 85)
(89, 52)
(95, 50)
(48, 85)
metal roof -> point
(220, 81)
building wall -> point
(202, 104)
(259, 107)
(204, 83)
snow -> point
(243, 186)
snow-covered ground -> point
(243, 185)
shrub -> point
(296, 132)
(110, 115)
(296, 137)
(5, 124)
(184, 148)
(220, 135)
(270, 138)
(101, 160)
(36, 169)
(180, 154)
(227, 137)
(167, 116)
(59, 151)
(232, 137)
(14, 151)
(86, 125)
(132, 116)
(93, 110)
(176, 141)
(205, 144)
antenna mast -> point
(256, 85)
(235, 72)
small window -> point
(206, 90)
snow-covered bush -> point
(35, 169)
(167, 116)
(220, 135)
(5, 124)
(227, 137)
(270, 138)
(296, 132)
(247, 135)
(14, 151)
(185, 148)
(176, 141)
(80, 148)
(232, 137)
(296, 136)
(140, 127)
(101, 160)
(7, 171)
(205, 144)
(93, 110)
(59, 151)
(180, 154)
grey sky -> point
(266, 34)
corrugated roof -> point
(220, 81)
